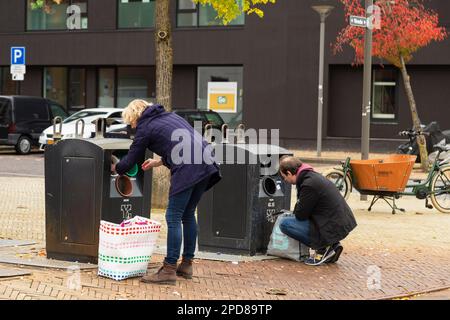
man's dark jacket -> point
(331, 219)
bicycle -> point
(435, 187)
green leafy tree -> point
(228, 10)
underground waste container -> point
(236, 215)
(80, 191)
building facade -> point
(105, 57)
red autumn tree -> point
(406, 26)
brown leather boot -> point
(165, 275)
(185, 269)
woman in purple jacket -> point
(169, 136)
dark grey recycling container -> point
(80, 191)
(235, 216)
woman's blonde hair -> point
(134, 110)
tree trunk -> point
(164, 54)
(415, 116)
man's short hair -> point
(289, 164)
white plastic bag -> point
(125, 249)
(281, 245)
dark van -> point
(22, 120)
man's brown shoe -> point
(165, 275)
(185, 269)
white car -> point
(88, 115)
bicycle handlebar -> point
(412, 133)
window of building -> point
(187, 14)
(57, 15)
(8, 87)
(66, 86)
(77, 89)
(384, 107)
(190, 14)
(55, 85)
(106, 87)
(136, 13)
(229, 100)
(135, 83)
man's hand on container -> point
(113, 168)
(151, 163)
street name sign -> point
(358, 21)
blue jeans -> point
(296, 229)
(181, 210)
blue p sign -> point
(17, 55)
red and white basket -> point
(125, 249)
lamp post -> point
(323, 11)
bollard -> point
(57, 134)
(100, 127)
(240, 133)
(77, 134)
(208, 133)
(224, 133)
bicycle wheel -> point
(440, 187)
(336, 176)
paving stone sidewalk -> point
(386, 256)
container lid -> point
(111, 143)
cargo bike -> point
(387, 179)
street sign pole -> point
(366, 106)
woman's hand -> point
(151, 163)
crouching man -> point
(322, 217)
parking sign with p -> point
(17, 55)
(18, 68)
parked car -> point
(23, 118)
(190, 115)
(88, 115)
(205, 116)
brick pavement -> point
(410, 249)
(22, 203)
(250, 280)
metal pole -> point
(320, 100)
(367, 86)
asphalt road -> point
(14, 165)
(32, 165)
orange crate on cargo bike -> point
(387, 179)
(383, 179)
(386, 175)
